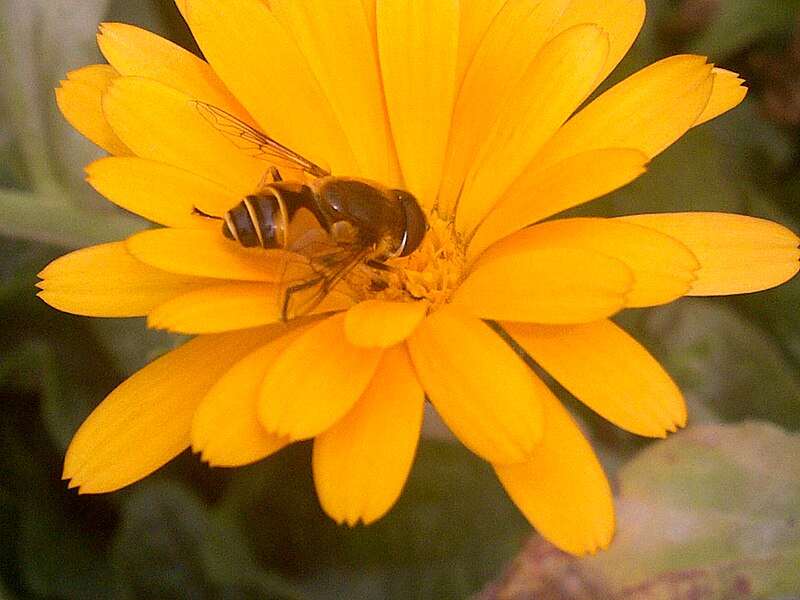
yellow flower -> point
(469, 106)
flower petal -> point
(263, 67)
(509, 46)
(115, 446)
(607, 370)
(536, 195)
(362, 462)
(418, 44)
(233, 305)
(663, 268)
(226, 429)
(380, 324)
(620, 19)
(476, 18)
(332, 34)
(209, 254)
(137, 52)
(561, 488)
(80, 101)
(560, 77)
(106, 281)
(481, 388)
(545, 285)
(737, 254)
(163, 124)
(648, 111)
(315, 381)
(727, 92)
(160, 192)
(218, 308)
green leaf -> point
(47, 353)
(741, 23)
(714, 507)
(131, 343)
(690, 175)
(50, 218)
(59, 558)
(708, 514)
(169, 545)
(451, 530)
(40, 41)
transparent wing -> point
(262, 145)
(326, 266)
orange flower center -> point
(431, 272)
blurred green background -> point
(713, 510)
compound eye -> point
(416, 223)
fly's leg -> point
(379, 266)
(271, 173)
(197, 211)
(308, 305)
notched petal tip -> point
(562, 489)
(727, 92)
(738, 254)
(362, 462)
(609, 371)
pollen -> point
(432, 271)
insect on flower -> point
(366, 222)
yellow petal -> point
(561, 76)
(315, 381)
(509, 46)
(380, 324)
(106, 281)
(163, 124)
(226, 429)
(209, 254)
(727, 92)
(362, 462)
(737, 254)
(536, 194)
(648, 111)
(482, 389)
(219, 308)
(136, 52)
(330, 35)
(80, 101)
(160, 192)
(145, 422)
(663, 268)
(418, 43)
(262, 65)
(561, 489)
(545, 285)
(607, 370)
(476, 18)
(620, 19)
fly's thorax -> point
(372, 209)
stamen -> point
(429, 273)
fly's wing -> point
(249, 138)
(326, 266)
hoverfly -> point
(366, 222)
